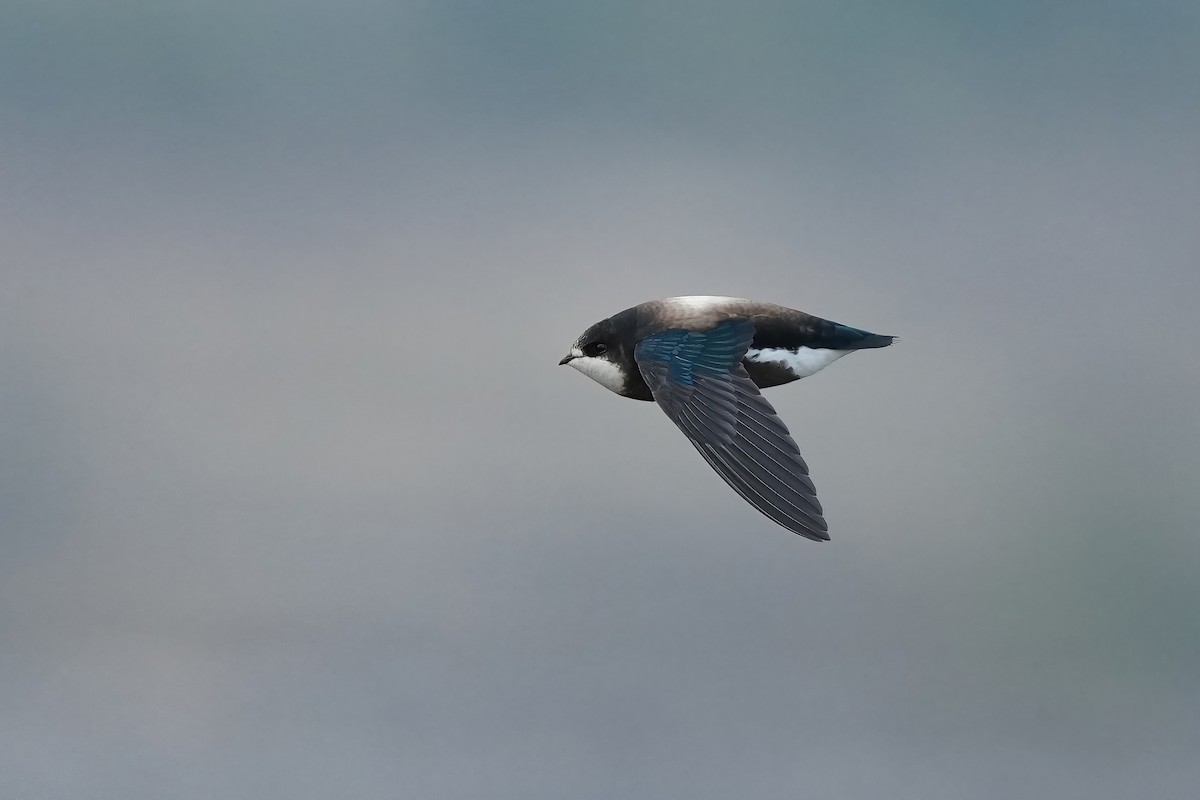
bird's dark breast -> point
(625, 330)
(636, 388)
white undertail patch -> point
(802, 362)
(602, 371)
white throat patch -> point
(802, 362)
(602, 371)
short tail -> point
(843, 337)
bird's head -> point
(600, 353)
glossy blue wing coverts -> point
(698, 379)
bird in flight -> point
(703, 359)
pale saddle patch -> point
(698, 303)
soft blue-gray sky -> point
(294, 502)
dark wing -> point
(699, 380)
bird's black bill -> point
(566, 359)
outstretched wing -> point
(699, 380)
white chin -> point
(603, 372)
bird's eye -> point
(595, 349)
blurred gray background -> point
(294, 502)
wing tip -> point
(812, 535)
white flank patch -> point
(802, 363)
(603, 372)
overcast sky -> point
(294, 502)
